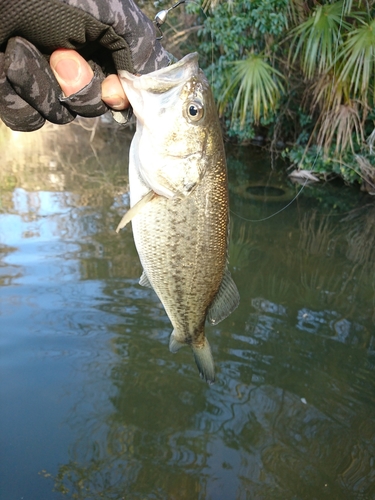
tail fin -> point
(202, 355)
(205, 362)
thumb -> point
(71, 70)
(73, 73)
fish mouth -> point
(159, 82)
(166, 78)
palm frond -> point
(358, 60)
(316, 39)
(212, 4)
(259, 88)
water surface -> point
(93, 404)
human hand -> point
(110, 34)
(73, 73)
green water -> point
(92, 403)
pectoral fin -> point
(132, 212)
(225, 301)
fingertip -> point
(113, 93)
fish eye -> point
(195, 110)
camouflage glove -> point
(110, 34)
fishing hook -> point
(161, 17)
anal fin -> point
(174, 344)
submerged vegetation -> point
(299, 75)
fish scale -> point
(177, 269)
(179, 199)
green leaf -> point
(358, 60)
(259, 88)
(316, 40)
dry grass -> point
(339, 124)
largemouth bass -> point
(179, 202)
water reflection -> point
(95, 406)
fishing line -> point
(317, 153)
(276, 213)
(161, 17)
(316, 157)
(281, 209)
